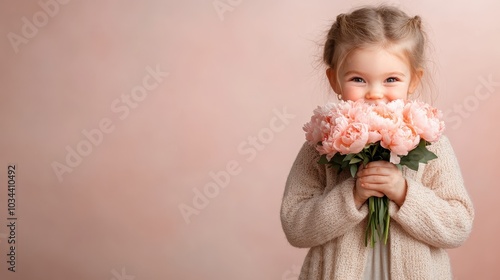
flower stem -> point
(387, 219)
(378, 220)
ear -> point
(332, 78)
(415, 80)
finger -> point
(374, 171)
(366, 194)
(379, 163)
(374, 187)
(360, 168)
(377, 194)
(381, 166)
(378, 187)
(384, 170)
(375, 179)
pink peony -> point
(425, 120)
(396, 106)
(399, 141)
(349, 126)
(349, 137)
(327, 148)
(380, 119)
(343, 108)
(318, 128)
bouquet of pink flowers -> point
(348, 133)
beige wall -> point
(245, 73)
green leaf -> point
(428, 155)
(355, 160)
(354, 169)
(337, 158)
(412, 164)
(323, 160)
(349, 157)
(344, 165)
(374, 151)
(418, 155)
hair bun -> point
(340, 19)
(417, 21)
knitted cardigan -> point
(318, 212)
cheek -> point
(400, 92)
(353, 93)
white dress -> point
(377, 263)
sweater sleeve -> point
(437, 210)
(309, 215)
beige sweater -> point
(318, 212)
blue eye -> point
(358, 80)
(392, 80)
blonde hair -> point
(385, 26)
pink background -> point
(116, 215)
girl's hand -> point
(379, 178)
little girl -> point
(376, 54)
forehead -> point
(376, 60)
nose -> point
(374, 92)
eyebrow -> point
(364, 74)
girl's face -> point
(375, 75)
